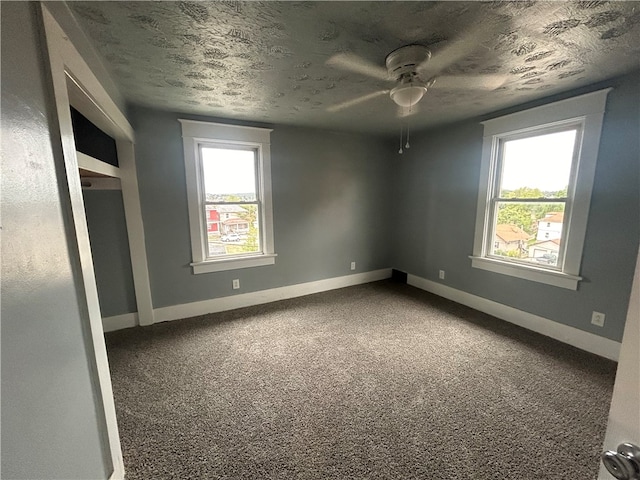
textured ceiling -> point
(267, 61)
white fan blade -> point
(455, 50)
(356, 101)
(470, 82)
(356, 64)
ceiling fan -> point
(414, 71)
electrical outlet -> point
(236, 284)
(353, 265)
(597, 318)
(441, 274)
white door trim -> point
(624, 415)
(75, 84)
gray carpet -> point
(379, 381)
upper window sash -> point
(244, 146)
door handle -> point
(625, 463)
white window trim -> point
(587, 109)
(196, 132)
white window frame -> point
(196, 134)
(586, 111)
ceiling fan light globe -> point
(408, 95)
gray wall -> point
(437, 188)
(50, 424)
(110, 250)
(330, 206)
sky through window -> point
(228, 171)
(542, 162)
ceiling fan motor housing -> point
(405, 60)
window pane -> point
(233, 229)
(229, 174)
(529, 232)
(537, 167)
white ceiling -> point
(267, 61)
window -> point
(535, 188)
(229, 191)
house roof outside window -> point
(235, 221)
(553, 244)
(553, 217)
(227, 208)
(511, 233)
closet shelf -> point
(92, 167)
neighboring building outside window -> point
(511, 240)
(213, 220)
(229, 192)
(535, 187)
(550, 226)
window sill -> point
(209, 266)
(557, 279)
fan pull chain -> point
(400, 151)
(407, 144)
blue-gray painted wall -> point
(104, 211)
(342, 197)
(331, 206)
(436, 187)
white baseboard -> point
(118, 473)
(214, 305)
(118, 322)
(578, 338)
(573, 336)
